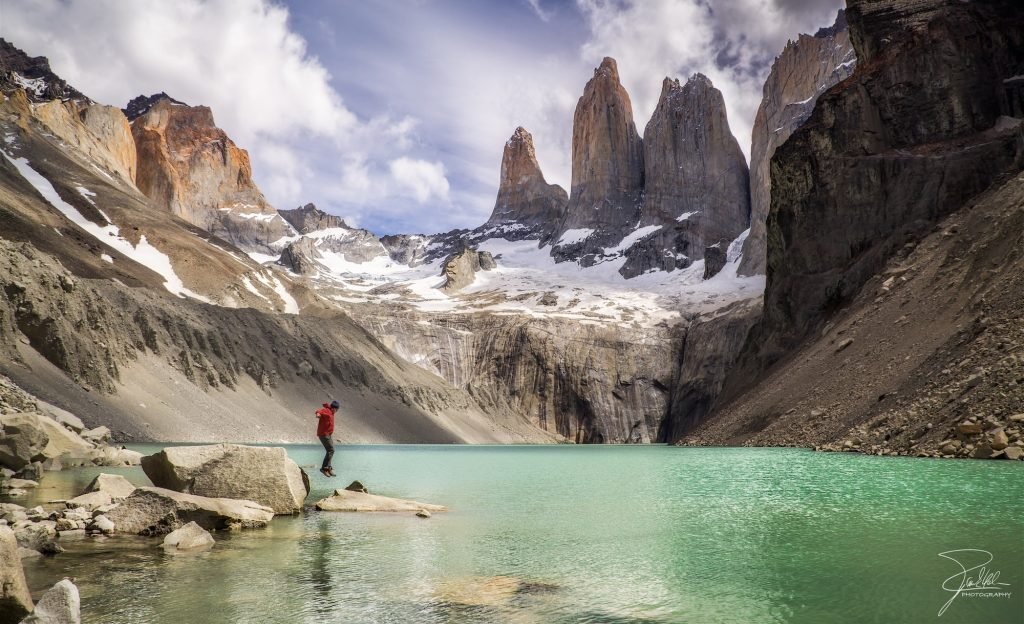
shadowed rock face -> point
(525, 199)
(806, 68)
(911, 136)
(19, 70)
(607, 164)
(461, 268)
(190, 167)
(696, 185)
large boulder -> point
(157, 511)
(114, 485)
(262, 474)
(60, 604)
(22, 441)
(62, 442)
(15, 599)
(348, 500)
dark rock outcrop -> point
(696, 186)
(806, 68)
(607, 168)
(714, 260)
(526, 204)
(461, 268)
(309, 218)
(911, 136)
(141, 104)
(33, 74)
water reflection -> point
(585, 535)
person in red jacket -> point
(324, 431)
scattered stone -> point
(189, 537)
(983, 451)
(23, 484)
(265, 475)
(999, 440)
(103, 524)
(969, 428)
(60, 604)
(90, 500)
(15, 599)
(842, 345)
(422, 513)
(115, 486)
(1017, 418)
(97, 435)
(357, 486)
(157, 511)
(346, 500)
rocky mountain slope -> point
(807, 68)
(891, 308)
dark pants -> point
(329, 447)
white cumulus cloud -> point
(423, 180)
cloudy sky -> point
(393, 113)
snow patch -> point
(144, 253)
(106, 258)
(578, 235)
(632, 238)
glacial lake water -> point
(552, 534)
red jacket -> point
(326, 416)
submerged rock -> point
(265, 475)
(346, 500)
(189, 537)
(15, 599)
(157, 511)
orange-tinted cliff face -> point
(193, 169)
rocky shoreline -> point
(196, 490)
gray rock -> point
(114, 485)
(157, 511)
(23, 441)
(15, 599)
(265, 475)
(714, 260)
(357, 486)
(189, 537)
(346, 500)
(103, 524)
(90, 500)
(60, 604)
(97, 434)
(422, 513)
(1012, 452)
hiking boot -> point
(326, 472)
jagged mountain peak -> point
(309, 218)
(608, 67)
(141, 105)
(18, 70)
(840, 25)
(524, 196)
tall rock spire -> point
(696, 184)
(524, 196)
(607, 160)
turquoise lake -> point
(607, 534)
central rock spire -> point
(607, 159)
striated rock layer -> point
(189, 166)
(806, 68)
(585, 383)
